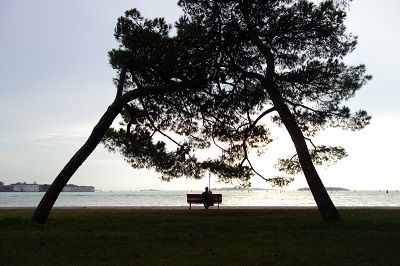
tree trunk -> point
(46, 204)
(325, 205)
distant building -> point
(75, 188)
(6, 188)
(23, 187)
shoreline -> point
(202, 208)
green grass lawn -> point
(200, 237)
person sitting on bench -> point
(207, 198)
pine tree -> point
(208, 82)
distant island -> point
(238, 188)
(327, 188)
(25, 187)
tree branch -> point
(264, 49)
(121, 80)
(248, 74)
(215, 143)
(153, 125)
(302, 105)
(246, 157)
(270, 110)
(134, 77)
(326, 113)
(315, 147)
(134, 113)
(163, 89)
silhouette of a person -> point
(207, 198)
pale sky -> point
(55, 83)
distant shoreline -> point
(166, 208)
(327, 188)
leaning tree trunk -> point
(325, 205)
(46, 204)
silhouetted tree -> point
(281, 57)
(229, 64)
(152, 32)
(294, 50)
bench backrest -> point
(197, 198)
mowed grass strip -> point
(200, 237)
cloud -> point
(58, 138)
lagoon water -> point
(231, 198)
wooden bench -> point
(197, 199)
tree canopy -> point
(208, 82)
(227, 44)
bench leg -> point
(190, 206)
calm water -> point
(178, 198)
